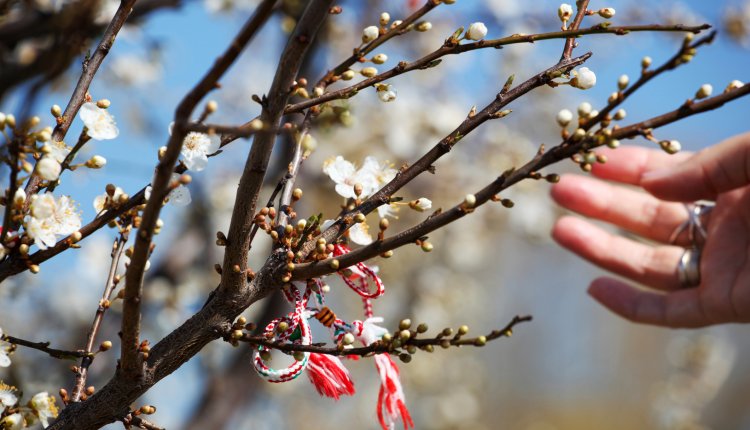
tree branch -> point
(570, 42)
(429, 60)
(234, 277)
(129, 358)
(117, 249)
(44, 347)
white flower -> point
(345, 175)
(48, 168)
(134, 70)
(8, 396)
(704, 91)
(565, 11)
(103, 201)
(370, 33)
(385, 94)
(387, 210)
(195, 150)
(583, 78)
(476, 31)
(607, 12)
(180, 196)
(359, 234)
(99, 122)
(56, 150)
(44, 407)
(12, 422)
(50, 218)
(4, 359)
(421, 204)
(564, 117)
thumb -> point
(705, 175)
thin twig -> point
(570, 42)
(430, 60)
(13, 186)
(405, 175)
(558, 153)
(117, 250)
(44, 347)
(90, 67)
(388, 347)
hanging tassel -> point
(329, 376)
(391, 400)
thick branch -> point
(234, 276)
(129, 358)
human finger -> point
(652, 266)
(676, 309)
(627, 164)
(705, 175)
(635, 211)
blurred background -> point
(576, 366)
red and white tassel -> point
(391, 400)
(329, 376)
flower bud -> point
(565, 12)
(476, 31)
(564, 117)
(607, 12)
(96, 162)
(48, 168)
(623, 82)
(369, 72)
(704, 91)
(370, 33)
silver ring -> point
(698, 214)
(688, 268)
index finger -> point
(627, 163)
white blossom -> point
(476, 31)
(12, 422)
(195, 150)
(8, 396)
(4, 359)
(134, 70)
(180, 196)
(564, 117)
(103, 201)
(44, 407)
(421, 204)
(99, 122)
(734, 85)
(48, 168)
(359, 233)
(56, 150)
(565, 11)
(583, 78)
(49, 218)
(345, 175)
(370, 33)
(386, 94)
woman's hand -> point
(720, 173)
